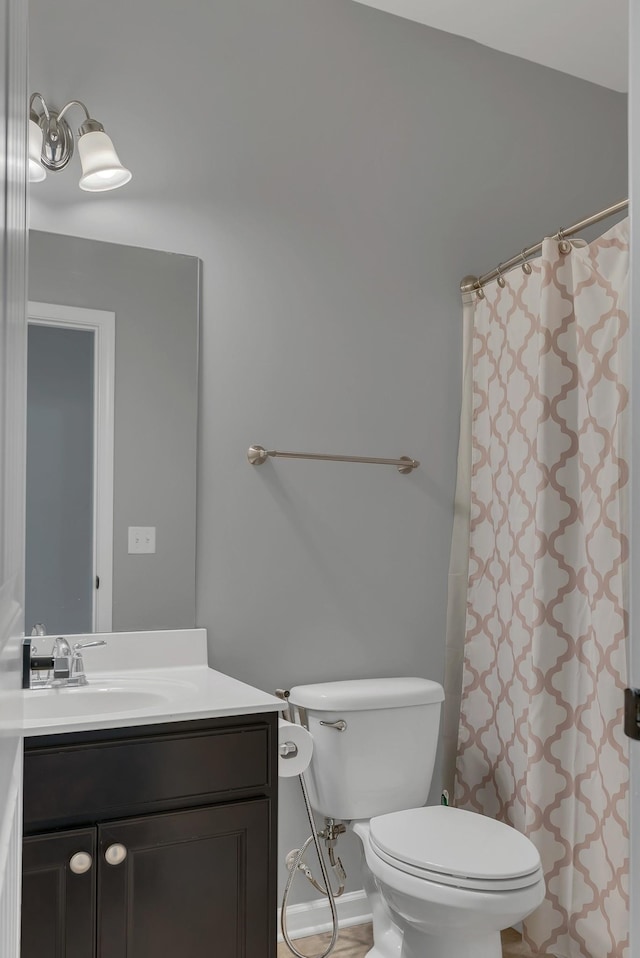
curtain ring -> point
(480, 292)
(501, 280)
(526, 266)
(564, 245)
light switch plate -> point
(142, 539)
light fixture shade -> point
(101, 167)
(37, 171)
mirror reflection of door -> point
(69, 505)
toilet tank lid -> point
(360, 694)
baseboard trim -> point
(314, 917)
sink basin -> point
(91, 700)
(101, 698)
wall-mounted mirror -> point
(111, 436)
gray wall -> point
(155, 297)
(352, 168)
(59, 522)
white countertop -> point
(141, 678)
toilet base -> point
(386, 945)
(398, 939)
(416, 944)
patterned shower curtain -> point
(541, 743)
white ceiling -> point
(586, 38)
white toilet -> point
(441, 882)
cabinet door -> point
(58, 895)
(193, 884)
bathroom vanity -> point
(153, 837)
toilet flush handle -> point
(339, 726)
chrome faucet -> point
(77, 674)
(63, 668)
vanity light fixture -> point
(51, 145)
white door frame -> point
(13, 285)
(102, 324)
(634, 572)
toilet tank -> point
(382, 761)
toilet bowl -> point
(451, 881)
(441, 882)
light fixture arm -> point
(89, 125)
(45, 108)
(71, 103)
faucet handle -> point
(77, 662)
(79, 646)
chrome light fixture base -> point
(57, 140)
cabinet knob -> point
(115, 854)
(80, 863)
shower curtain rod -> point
(469, 283)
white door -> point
(634, 677)
(70, 420)
(13, 236)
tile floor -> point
(355, 942)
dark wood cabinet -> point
(179, 823)
(203, 867)
(58, 905)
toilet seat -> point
(451, 846)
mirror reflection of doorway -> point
(69, 507)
